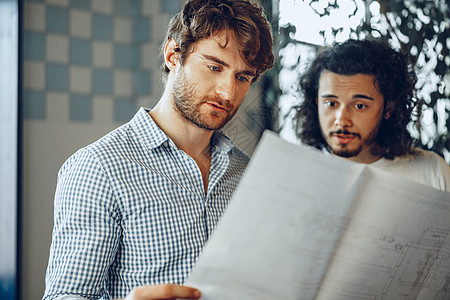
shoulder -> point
(425, 167)
(132, 138)
(240, 156)
(99, 154)
(114, 141)
(427, 159)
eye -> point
(242, 78)
(360, 106)
(330, 103)
(214, 68)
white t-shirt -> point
(427, 168)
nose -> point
(226, 87)
(342, 118)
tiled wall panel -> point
(89, 49)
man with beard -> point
(359, 97)
(134, 209)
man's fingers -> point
(164, 291)
(171, 291)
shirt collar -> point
(149, 133)
(221, 142)
(146, 130)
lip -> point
(344, 138)
(217, 107)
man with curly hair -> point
(134, 209)
(359, 97)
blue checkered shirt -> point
(131, 210)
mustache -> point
(346, 132)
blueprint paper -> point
(395, 243)
(303, 225)
(276, 217)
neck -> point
(188, 137)
(193, 140)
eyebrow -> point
(354, 96)
(363, 96)
(221, 62)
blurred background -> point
(73, 70)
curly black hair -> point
(395, 79)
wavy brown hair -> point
(394, 78)
(202, 18)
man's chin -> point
(345, 153)
(209, 125)
(210, 120)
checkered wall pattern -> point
(82, 50)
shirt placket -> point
(219, 165)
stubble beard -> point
(188, 105)
(346, 153)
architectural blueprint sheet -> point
(303, 225)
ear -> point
(170, 54)
(389, 109)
